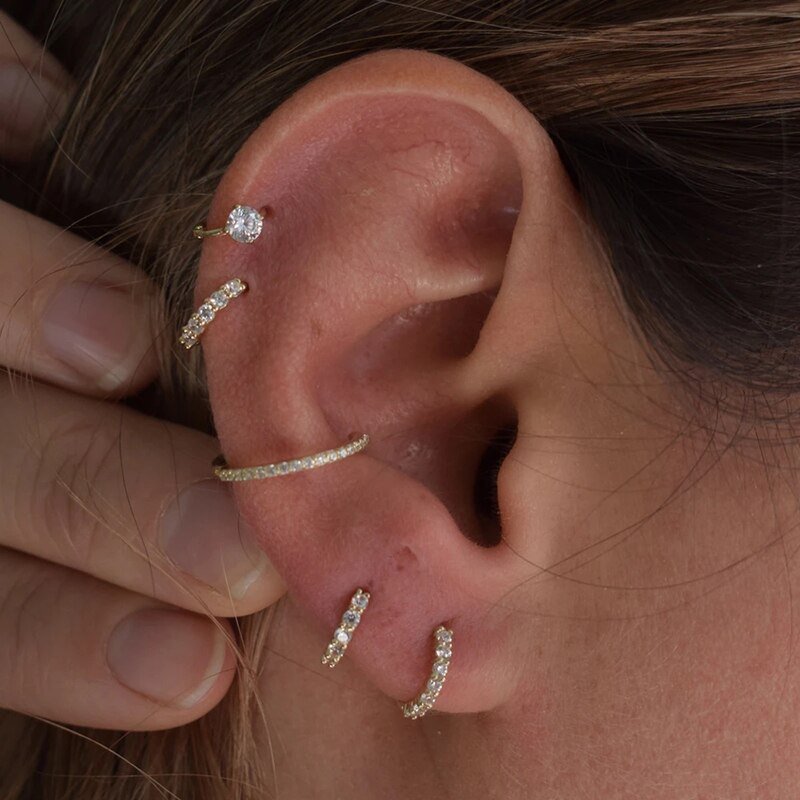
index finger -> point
(71, 313)
(34, 89)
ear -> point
(402, 288)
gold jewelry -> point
(198, 322)
(344, 633)
(226, 473)
(423, 703)
(243, 225)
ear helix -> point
(244, 225)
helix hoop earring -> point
(208, 309)
(244, 225)
(347, 627)
(278, 468)
(423, 702)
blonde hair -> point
(676, 127)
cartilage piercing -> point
(204, 315)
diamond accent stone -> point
(219, 300)
(351, 618)
(244, 224)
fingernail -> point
(172, 657)
(100, 331)
(29, 100)
(204, 536)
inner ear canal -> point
(489, 531)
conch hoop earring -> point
(244, 225)
(208, 309)
(343, 635)
(423, 702)
(278, 468)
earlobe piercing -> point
(208, 310)
(344, 633)
(244, 225)
(226, 473)
(423, 703)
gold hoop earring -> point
(244, 225)
(278, 468)
(423, 703)
(204, 315)
(347, 627)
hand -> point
(116, 552)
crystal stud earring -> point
(244, 225)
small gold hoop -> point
(226, 473)
(423, 702)
(343, 635)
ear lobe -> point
(396, 189)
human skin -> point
(631, 635)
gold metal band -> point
(226, 473)
(423, 702)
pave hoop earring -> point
(278, 468)
(423, 702)
(208, 309)
(347, 627)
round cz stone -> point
(307, 462)
(294, 465)
(194, 325)
(444, 635)
(434, 685)
(219, 299)
(244, 224)
(341, 635)
(351, 617)
(206, 313)
(360, 601)
(444, 650)
(440, 668)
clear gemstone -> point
(351, 617)
(434, 685)
(307, 462)
(283, 467)
(244, 224)
(440, 668)
(444, 635)
(206, 313)
(294, 465)
(194, 325)
(360, 601)
(219, 299)
(341, 635)
(426, 699)
(444, 650)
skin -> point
(632, 634)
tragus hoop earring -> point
(244, 225)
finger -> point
(125, 498)
(71, 313)
(34, 89)
(80, 651)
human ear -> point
(401, 287)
